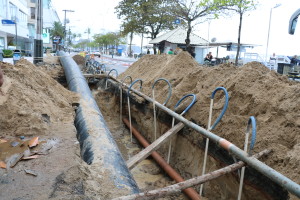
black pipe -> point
(97, 145)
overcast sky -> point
(100, 16)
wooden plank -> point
(176, 188)
(95, 75)
(155, 145)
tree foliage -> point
(145, 16)
(112, 40)
(57, 30)
(240, 7)
(193, 12)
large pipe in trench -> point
(97, 145)
(190, 192)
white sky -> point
(100, 16)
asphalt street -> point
(117, 62)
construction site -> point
(166, 128)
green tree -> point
(193, 12)
(240, 7)
(144, 16)
(57, 30)
(128, 28)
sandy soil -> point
(34, 104)
(147, 174)
(254, 90)
(79, 60)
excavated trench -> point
(187, 154)
(147, 173)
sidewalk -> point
(11, 61)
(109, 57)
(120, 58)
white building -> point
(176, 38)
(17, 11)
(24, 13)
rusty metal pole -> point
(190, 192)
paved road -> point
(118, 63)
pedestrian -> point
(294, 62)
(148, 51)
(208, 57)
(170, 52)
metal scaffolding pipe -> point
(97, 145)
(275, 176)
(190, 192)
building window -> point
(32, 1)
(3, 8)
(32, 12)
(13, 11)
(2, 43)
(22, 16)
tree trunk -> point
(154, 50)
(239, 40)
(142, 43)
(130, 43)
(187, 40)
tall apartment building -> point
(24, 12)
(17, 11)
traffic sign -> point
(177, 21)
(8, 22)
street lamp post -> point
(276, 6)
(65, 23)
(209, 21)
(88, 32)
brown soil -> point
(32, 101)
(34, 104)
(254, 90)
(147, 173)
(79, 60)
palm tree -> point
(57, 31)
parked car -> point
(97, 53)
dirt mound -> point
(254, 90)
(32, 100)
(79, 60)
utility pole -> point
(38, 42)
(65, 24)
(276, 6)
(16, 30)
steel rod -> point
(275, 176)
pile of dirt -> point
(51, 65)
(254, 90)
(32, 100)
(79, 60)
